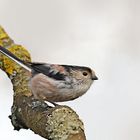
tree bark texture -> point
(53, 123)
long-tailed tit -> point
(56, 83)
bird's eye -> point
(85, 73)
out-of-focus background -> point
(102, 34)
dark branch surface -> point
(53, 123)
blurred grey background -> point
(102, 34)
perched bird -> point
(56, 83)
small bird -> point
(53, 82)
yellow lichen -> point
(1, 43)
(3, 34)
(19, 51)
(63, 122)
(9, 65)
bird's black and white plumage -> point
(53, 82)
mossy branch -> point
(53, 123)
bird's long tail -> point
(14, 58)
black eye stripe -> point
(69, 67)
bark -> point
(53, 123)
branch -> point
(53, 123)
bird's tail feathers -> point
(15, 58)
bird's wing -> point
(48, 70)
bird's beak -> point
(94, 78)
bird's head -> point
(82, 77)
